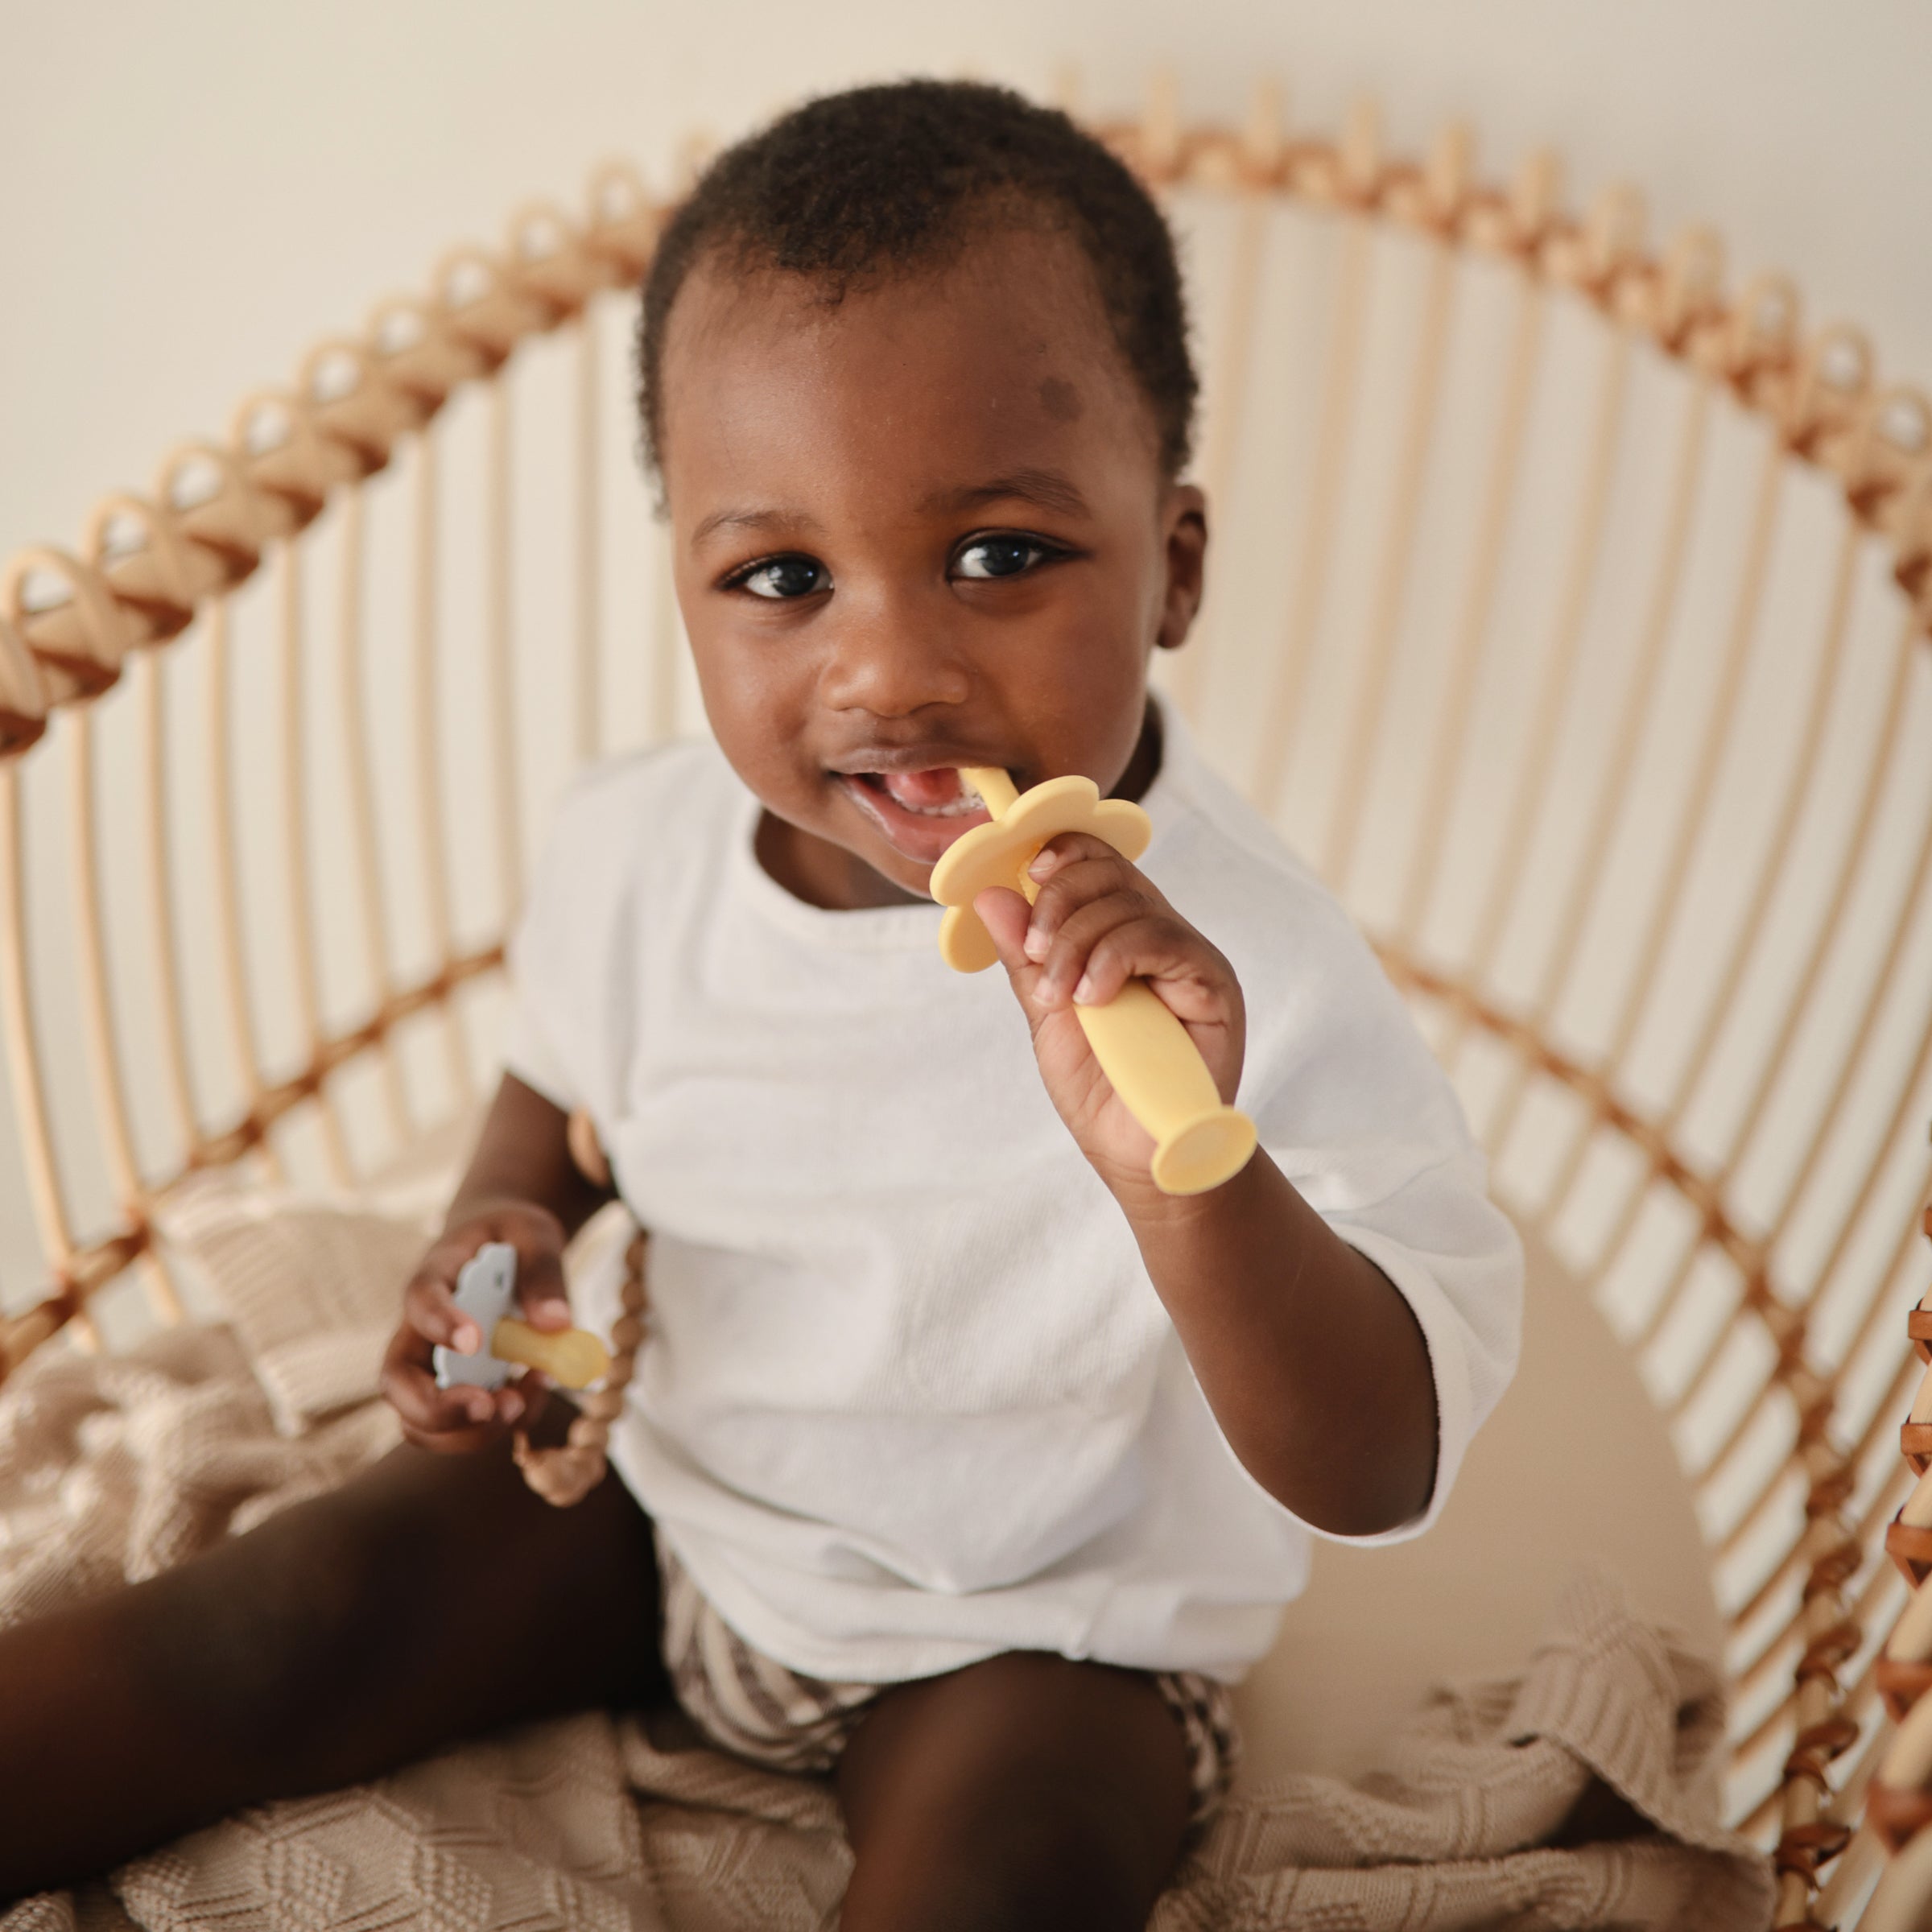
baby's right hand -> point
(464, 1417)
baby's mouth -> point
(920, 813)
(933, 795)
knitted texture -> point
(1494, 1805)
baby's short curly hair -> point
(884, 180)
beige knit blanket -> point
(1488, 1812)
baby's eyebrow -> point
(754, 519)
(1047, 487)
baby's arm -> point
(521, 1187)
(1312, 1361)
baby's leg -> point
(432, 1597)
(1025, 1791)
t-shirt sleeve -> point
(532, 961)
(527, 1054)
(1456, 1259)
(1356, 1111)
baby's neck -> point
(827, 876)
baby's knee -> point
(1052, 1856)
(1038, 1854)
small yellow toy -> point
(1146, 1052)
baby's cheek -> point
(759, 752)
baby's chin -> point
(916, 881)
(834, 857)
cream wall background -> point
(190, 195)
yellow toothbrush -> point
(1156, 1069)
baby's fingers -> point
(1005, 914)
(460, 1417)
(429, 1306)
(1077, 965)
(540, 1291)
(1192, 980)
(1078, 880)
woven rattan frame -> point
(171, 567)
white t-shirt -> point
(909, 1397)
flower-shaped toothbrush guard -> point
(1155, 1068)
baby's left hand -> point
(1098, 922)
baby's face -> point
(923, 528)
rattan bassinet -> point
(1570, 612)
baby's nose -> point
(891, 660)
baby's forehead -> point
(1036, 272)
(1009, 324)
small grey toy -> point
(486, 1291)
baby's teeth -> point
(955, 808)
(958, 805)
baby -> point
(961, 1463)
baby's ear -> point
(1184, 516)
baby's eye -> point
(785, 577)
(999, 556)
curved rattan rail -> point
(151, 569)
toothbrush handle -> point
(1163, 1081)
(1146, 1052)
(571, 1357)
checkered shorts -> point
(756, 1708)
